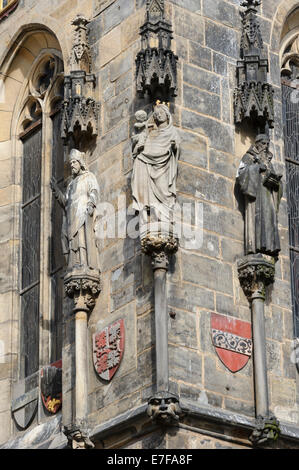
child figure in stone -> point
(141, 131)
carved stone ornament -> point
(256, 272)
(156, 64)
(45, 85)
(108, 350)
(84, 286)
(80, 111)
(78, 438)
(80, 58)
(159, 248)
(164, 408)
(267, 430)
(51, 387)
(253, 98)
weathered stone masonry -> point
(216, 403)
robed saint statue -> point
(79, 203)
(261, 188)
(156, 150)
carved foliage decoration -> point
(80, 57)
(84, 287)
(251, 40)
(256, 272)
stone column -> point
(163, 406)
(82, 285)
(256, 272)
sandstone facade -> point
(217, 403)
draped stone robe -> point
(78, 238)
(262, 201)
(155, 171)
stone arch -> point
(289, 63)
(283, 11)
(289, 46)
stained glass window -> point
(30, 282)
(291, 139)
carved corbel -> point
(253, 97)
(83, 287)
(156, 64)
(159, 248)
(267, 430)
(80, 111)
(256, 272)
(164, 408)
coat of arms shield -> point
(108, 349)
(232, 339)
(51, 387)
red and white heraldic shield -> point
(108, 349)
(232, 339)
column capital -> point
(159, 248)
(256, 272)
(78, 438)
(84, 286)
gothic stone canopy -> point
(156, 64)
(253, 96)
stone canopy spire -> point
(253, 95)
(156, 64)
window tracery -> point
(290, 83)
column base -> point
(164, 407)
(267, 430)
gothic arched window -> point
(40, 137)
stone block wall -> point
(200, 280)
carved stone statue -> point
(79, 204)
(156, 148)
(262, 191)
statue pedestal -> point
(83, 285)
(163, 406)
(256, 272)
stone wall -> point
(200, 281)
